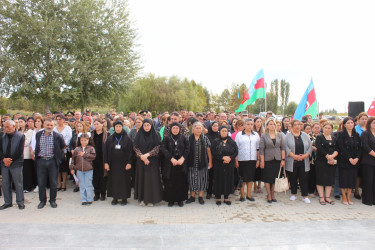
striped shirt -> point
(46, 145)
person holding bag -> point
(272, 157)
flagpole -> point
(265, 97)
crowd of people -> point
(182, 156)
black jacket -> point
(58, 143)
(368, 144)
(348, 148)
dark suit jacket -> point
(58, 143)
(368, 144)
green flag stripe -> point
(312, 110)
(259, 93)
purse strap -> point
(280, 172)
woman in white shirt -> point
(248, 157)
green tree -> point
(284, 95)
(66, 52)
(34, 41)
(103, 42)
(291, 108)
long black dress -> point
(175, 179)
(211, 135)
(99, 180)
(148, 186)
(325, 173)
(118, 178)
(223, 172)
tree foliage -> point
(163, 94)
(291, 108)
(70, 52)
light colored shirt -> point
(248, 145)
(66, 134)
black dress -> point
(349, 147)
(175, 178)
(223, 172)
(118, 178)
(99, 180)
(148, 186)
(325, 173)
(211, 135)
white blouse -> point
(66, 134)
(26, 149)
(248, 145)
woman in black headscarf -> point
(212, 134)
(224, 152)
(148, 189)
(175, 149)
(118, 152)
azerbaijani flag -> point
(371, 109)
(256, 91)
(308, 104)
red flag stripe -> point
(259, 84)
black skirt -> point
(270, 171)
(247, 170)
(347, 177)
(325, 174)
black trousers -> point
(368, 184)
(312, 179)
(47, 170)
(299, 175)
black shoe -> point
(208, 196)
(53, 204)
(5, 206)
(274, 200)
(89, 203)
(21, 207)
(102, 197)
(269, 201)
(200, 200)
(180, 204)
(114, 202)
(190, 200)
(218, 203)
(41, 205)
(124, 202)
(84, 203)
(170, 204)
(242, 199)
(228, 202)
(96, 197)
(337, 197)
(250, 199)
(357, 196)
(76, 189)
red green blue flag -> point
(308, 104)
(256, 91)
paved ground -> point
(285, 224)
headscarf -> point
(223, 138)
(175, 137)
(211, 134)
(118, 135)
(146, 141)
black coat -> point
(58, 143)
(168, 148)
(368, 144)
(348, 148)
